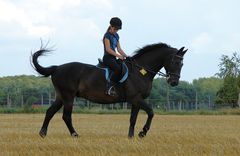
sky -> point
(74, 29)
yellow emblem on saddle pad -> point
(143, 71)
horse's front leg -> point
(133, 118)
(149, 111)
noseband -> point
(172, 62)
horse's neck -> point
(151, 61)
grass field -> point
(107, 135)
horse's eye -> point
(177, 63)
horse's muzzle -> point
(172, 82)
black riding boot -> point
(111, 89)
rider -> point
(111, 43)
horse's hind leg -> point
(67, 117)
(49, 114)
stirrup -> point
(111, 91)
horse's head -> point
(154, 57)
(173, 66)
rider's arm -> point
(109, 50)
(120, 50)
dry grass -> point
(107, 135)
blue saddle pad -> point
(109, 73)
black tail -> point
(42, 70)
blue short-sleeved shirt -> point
(113, 38)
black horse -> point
(87, 81)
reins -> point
(133, 62)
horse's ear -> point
(181, 51)
(184, 52)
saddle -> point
(109, 72)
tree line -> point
(220, 90)
(26, 90)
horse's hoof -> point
(130, 136)
(131, 132)
(141, 134)
(43, 133)
(74, 135)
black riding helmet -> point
(116, 22)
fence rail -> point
(44, 100)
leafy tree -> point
(230, 72)
(207, 87)
(229, 67)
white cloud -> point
(38, 18)
(99, 4)
(201, 40)
(58, 5)
(11, 14)
(82, 29)
(93, 29)
(230, 43)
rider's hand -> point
(128, 58)
(121, 57)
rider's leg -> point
(112, 63)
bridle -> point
(167, 75)
(172, 62)
(151, 71)
(134, 63)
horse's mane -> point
(148, 48)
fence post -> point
(168, 102)
(196, 101)
(239, 100)
(209, 102)
(125, 104)
(88, 104)
(180, 105)
(8, 100)
(49, 98)
(41, 99)
(22, 101)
